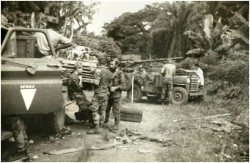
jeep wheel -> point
(56, 121)
(137, 93)
(180, 96)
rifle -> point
(131, 63)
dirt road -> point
(165, 135)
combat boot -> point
(114, 128)
(105, 125)
(96, 130)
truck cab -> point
(31, 85)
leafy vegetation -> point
(59, 14)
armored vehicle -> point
(31, 85)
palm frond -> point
(237, 34)
(223, 47)
(241, 18)
(195, 51)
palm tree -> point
(169, 26)
(229, 31)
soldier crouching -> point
(75, 93)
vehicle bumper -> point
(196, 94)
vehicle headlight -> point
(188, 80)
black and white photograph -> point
(125, 81)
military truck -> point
(31, 86)
(186, 86)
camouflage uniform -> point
(16, 125)
(99, 101)
(75, 93)
(118, 79)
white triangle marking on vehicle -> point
(28, 95)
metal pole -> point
(132, 95)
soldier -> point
(56, 39)
(75, 93)
(168, 72)
(17, 127)
(99, 102)
(118, 84)
(196, 68)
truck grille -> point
(194, 86)
(87, 74)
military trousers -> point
(167, 87)
(16, 125)
(113, 103)
(98, 107)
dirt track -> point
(159, 122)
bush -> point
(186, 63)
(210, 59)
(235, 72)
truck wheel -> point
(137, 93)
(180, 96)
(56, 121)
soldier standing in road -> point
(75, 92)
(118, 84)
(168, 72)
(99, 102)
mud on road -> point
(166, 133)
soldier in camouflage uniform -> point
(99, 102)
(118, 84)
(75, 93)
(17, 127)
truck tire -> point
(137, 93)
(180, 96)
(55, 121)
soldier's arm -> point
(97, 77)
(186, 70)
(122, 85)
(77, 81)
(163, 70)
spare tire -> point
(137, 93)
(128, 80)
